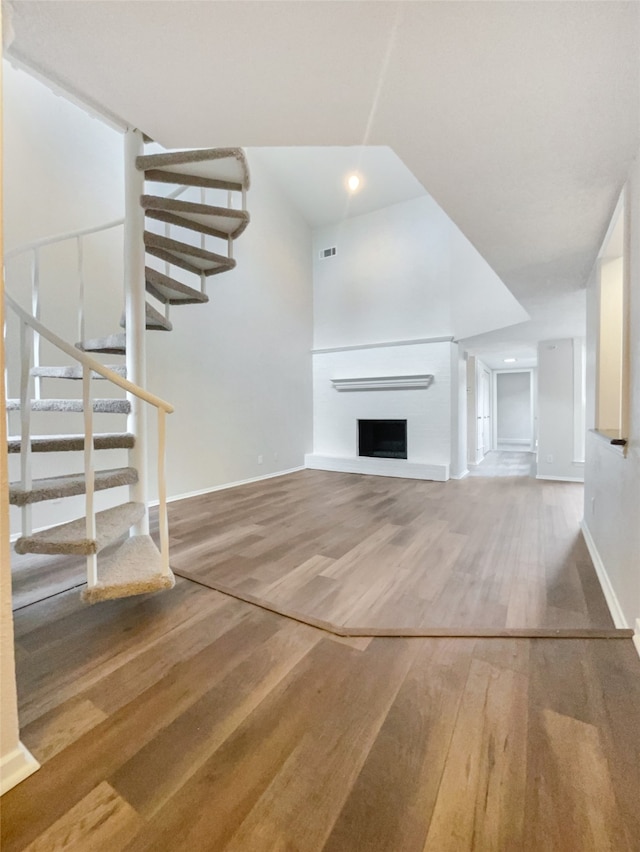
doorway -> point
(514, 411)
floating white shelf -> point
(383, 383)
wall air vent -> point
(328, 252)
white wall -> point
(389, 279)
(556, 446)
(513, 409)
(405, 272)
(480, 302)
(238, 369)
(610, 344)
(612, 480)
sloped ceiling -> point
(520, 119)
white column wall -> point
(612, 479)
(556, 445)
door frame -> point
(482, 368)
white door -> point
(486, 411)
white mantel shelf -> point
(383, 383)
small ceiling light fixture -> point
(353, 182)
(510, 360)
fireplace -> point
(386, 439)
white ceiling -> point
(314, 179)
(520, 119)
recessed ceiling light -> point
(510, 360)
(353, 182)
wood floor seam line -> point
(409, 633)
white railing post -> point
(81, 312)
(26, 342)
(89, 474)
(162, 492)
(167, 267)
(134, 284)
(35, 310)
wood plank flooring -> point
(375, 554)
(505, 463)
(192, 721)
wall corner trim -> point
(15, 767)
(459, 475)
(560, 478)
(607, 588)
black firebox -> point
(385, 439)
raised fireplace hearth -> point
(382, 439)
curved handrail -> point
(87, 360)
(60, 238)
(72, 235)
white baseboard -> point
(460, 475)
(607, 588)
(560, 478)
(636, 636)
(15, 767)
(379, 467)
(226, 485)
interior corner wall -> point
(238, 369)
(612, 480)
(556, 458)
(389, 278)
(64, 169)
(458, 467)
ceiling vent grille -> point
(328, 252)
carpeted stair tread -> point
(69, 485)
(154, 320)
(221, 222)
(134, 569)
(191, 258)
(224, 166)
(74, 372)
(112, 344)
(100, 406)
(70, 443)
(71, 538)
(166, 289)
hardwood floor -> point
(192, 721)
(505, 463)
(372, 554)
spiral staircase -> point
(192, 230)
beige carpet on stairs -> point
(134, 569)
